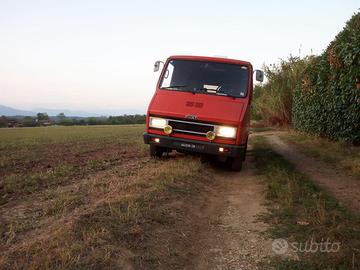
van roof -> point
(212, 59)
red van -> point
(202, 104)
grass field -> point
(89, 198)
(35, 158)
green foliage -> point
(3, 121)
(62, 120)
(273, 101)
(327, 102)
(61, 116)
(42, 116)
(29, 121)
(127, 119)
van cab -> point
(201, 104)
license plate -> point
(189, 145)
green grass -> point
(24, 137)
(340, 154)
(299, 210)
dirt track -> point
(343, 187)
(234, 239)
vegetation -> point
(316, 94)
(328, 100)
(42, 116)
(42, 119)
(299, 211)
(339, 154)
(37, 158)
(273, 100)
(90, 198)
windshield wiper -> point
(174, 86)
(180, 87)
(212, 92)
(202, 90)
(221, 92)
(196, 90)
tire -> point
(156, 151)
(235, 164)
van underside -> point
(234, 154)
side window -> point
(168, 75)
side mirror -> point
(259, 75)
(157, 65)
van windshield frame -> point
(206, 77)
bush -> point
(327, 102)
(273, 101)
(29, 121)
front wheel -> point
(235, 164)
(156, 151)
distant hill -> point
(8, 111)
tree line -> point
(43, 119)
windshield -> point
(206, 77)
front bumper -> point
(195, 146)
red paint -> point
(217, 109)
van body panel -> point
(210, 108)
(202, 108)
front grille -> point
(190, 127)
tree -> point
(28, 121)
(42, 116)
(3, 121)
(61, 116)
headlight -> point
(227, 132)
(157, 122)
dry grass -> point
(105, 210)
(340, 154)
(295, 200)
(37, 158)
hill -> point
(8, 111)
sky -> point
(98, 56)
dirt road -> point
(234, 239)
(342, 186)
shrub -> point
(327, 102)
(273, 100)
